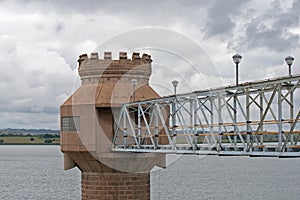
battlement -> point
(92, 69)
(135, 59)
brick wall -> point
(115, 186)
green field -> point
(35, 140)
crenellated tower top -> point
(94, 70)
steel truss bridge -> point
(251, 119)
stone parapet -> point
(94, 70)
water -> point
(212, 177)
(36, 172)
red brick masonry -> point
(115, 186)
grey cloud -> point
(278, 39)
(220, 17)
(51, 34)
(23, 108)
(7, 44)
(59, 27)
(28, 120)
(271, 29)
(115, 6)
(168, 47)
(31, 81)
(144, 13)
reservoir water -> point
(36, 172)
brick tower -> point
(87, 126)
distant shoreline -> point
(29, 140)
(26, 144)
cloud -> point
(272, 29)
(7, 44)
(194, 40)
(220, 19)
(32, 81)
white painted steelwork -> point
(252, 119)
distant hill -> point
(22, 131)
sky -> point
(191, 41)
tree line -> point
(46, 135)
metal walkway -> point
(253, 119)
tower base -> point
(115, 186)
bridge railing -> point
(253, 118)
